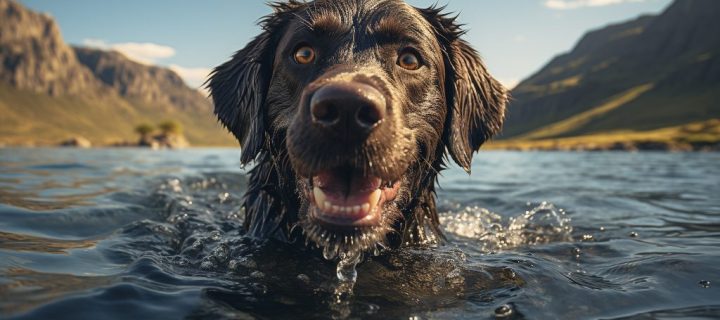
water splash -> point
(542, 224)
(347, 276)
(346, 272)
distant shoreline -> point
(502, 146)
(626, 146)
(694, 137)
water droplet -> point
(257, 274)
(258, 288)
(180, 261)
(376, 251)
(207, 265)
(454, 277)
(346, 266)
(329, 252)
(304, 278)
(704, 283)
(602, 228)
(503, 311)
(372, 308)
(247, 263)
(633, 234)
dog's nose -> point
(348, 106)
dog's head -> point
(358, 102)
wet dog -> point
(349, 109)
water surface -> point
(134, 233)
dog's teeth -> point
(327, 206)
(356, 209)
(319, 197)
(374, 198)
(335, 209)
(365, 208)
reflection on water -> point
(138, 234)
(23, 242)
(27, 289)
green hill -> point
(30, 118)
(650, 73)
(50, 91)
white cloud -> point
(194, 77)
(145, 52)
(575, 4)
(509, 83)
(151, 53)
(96, 43)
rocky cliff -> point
(149, 84)
(50, 91)
(34, 56)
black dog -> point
(347, 108)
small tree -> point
(170, 127)
(144, 130)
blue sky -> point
(515, 37)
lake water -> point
(140, 234)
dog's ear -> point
(239, 86)
(476, 100)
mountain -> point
(150, 84)
(50, 91)
(647, 74)
(34, 56)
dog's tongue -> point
(345, 183)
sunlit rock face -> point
(34, 56)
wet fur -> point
(452, 112)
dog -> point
(349, 109)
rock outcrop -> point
(34, 56)
(150, 84)
(49, 89)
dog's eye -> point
(409, 60)
(304, 55)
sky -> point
(515, 37)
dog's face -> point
(357, 103)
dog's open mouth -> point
(345, 198)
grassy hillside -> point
(39, 119)
(647, 74)
(697, 136)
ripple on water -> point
(171, 245)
